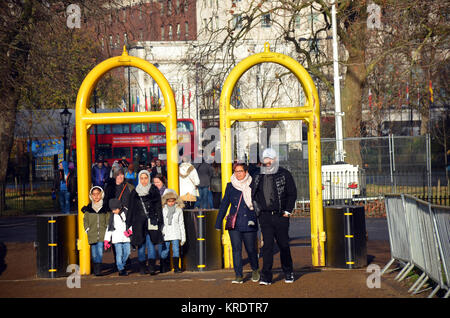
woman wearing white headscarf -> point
(147, 221)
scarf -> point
(170, 212)
(270, 170)
(97, 206)
(244, 186)
(140, 189)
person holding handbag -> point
(241, 221)
(147, 222)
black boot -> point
(97, 269)
(163, 265)
(176, 265)
(142, 266)
(152, 267)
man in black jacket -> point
(274, 194)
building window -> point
(297, 22)
(162, 8)
(125, 39)
(141, 35)
(186, 6)
(266, 22)
(178, 31)
(170, 31)
(237, 21)
(124, 11)
(117, 40)
(169, 7)
(162, 32)
(186, 29)
(111, 44)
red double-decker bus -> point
(136, 142)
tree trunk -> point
(351, 104)
(8, 105)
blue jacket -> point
(99, 176)
(232, 196)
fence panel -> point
(398, 230)
(441, 222)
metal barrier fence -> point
(419, 237)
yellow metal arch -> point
(84, 119)
(310, 113)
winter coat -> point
(205, 172)
(99, 175)
(67, 176)
(139, 219)
(95, 223)
(117, 235)
(112, 191)
(244, 215)
(189, 180)
(284, 192)
(176, 230)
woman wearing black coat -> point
(146, 220)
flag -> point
(146, 105)
(132, 102)
(182, 96)
(124, 105)
(431, 93)
(407, 93)
(137, 103)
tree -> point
(405, 35)
(42, 62)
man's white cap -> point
(269, 153)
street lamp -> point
(65, 122)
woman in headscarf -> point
(238, 195)
(147, 221)
(96, 220)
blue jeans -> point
(122, 253)
(249, 239)
(151, 249)
(205, 199)
(97, 252)
(64, 201)
(175, 249)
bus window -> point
(153, 152)
(161, 128)
(153, 127)
(138, 128)
(103, 129)
(104, 151)
(120, 152)
(185, 126)
(121, 129)
(140, 154)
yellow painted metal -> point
(310, 113)
(84, 119)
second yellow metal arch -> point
(309, 112)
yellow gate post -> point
(84, 119)
(309, 113)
